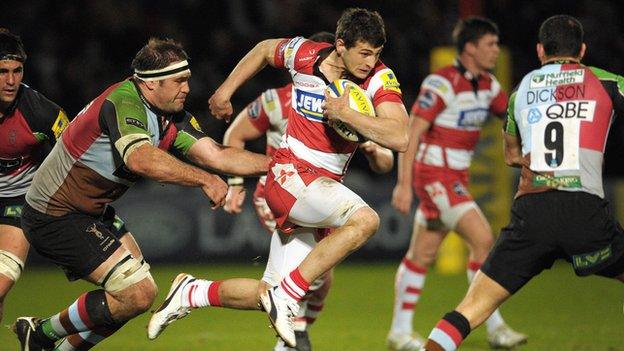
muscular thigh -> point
(77, 242)
(309, 200)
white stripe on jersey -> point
(332, 162)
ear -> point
(541, 55)
(470, 48)
(151, 84)
(582, 53)
(340, 46)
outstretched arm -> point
(151, 162)
(255, 60)
(206, 153)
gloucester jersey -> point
(562, 113)
(269, 114)
(85, 169)
(457, 104)
(28, 130)
(308, 136)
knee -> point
(367, 222)
(142, 296)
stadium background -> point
(78, 48)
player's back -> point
(562, 113)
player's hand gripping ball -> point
(358, 100)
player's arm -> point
(380, 159)
(402, 194)
(388, 128)
(512, 145)
(207, 153)
(255, 60)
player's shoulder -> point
(300, 52)
(124, 93)
(35, 102)
(381, 77)
(443, 81)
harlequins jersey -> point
(28, 130)
(562, 113)
(85, 170)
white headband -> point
(174, 70)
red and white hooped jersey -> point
(457, 104)
(269, 114)
(308, 136)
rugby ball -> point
(358, 100)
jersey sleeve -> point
(47, 119)
(510, 126)
(298, 54)
(614, 85)
(498, 105)
(384, 87)
(256, 113)
(189, 132)
(124, 119)
(436, 92)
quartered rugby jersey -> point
(457, 104)
(28, 130)
(562, 113)
(85, 169)
(308, 136)
(269, 114)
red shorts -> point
(439, 189)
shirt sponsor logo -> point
(572, 109)
(309, 104)
(534, 116)
(557, 182)
(427, 99)
(556, 94)
(592, 259)
(437, 84)
(195, 124)
(60, 124)
(389, 82)
(7, 165)
(254, 109)
(135, 122)
(542, 80)
(473, 118)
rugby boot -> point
(24, 328)
(171, 309)
(281, 311)
(404, 341)
(504, 337)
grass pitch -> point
(558, 310)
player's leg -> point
(317, 202)
(86, 249)
(482, 298)
(474, 228)
(13, 253)
(427, 236)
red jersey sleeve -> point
(428, 105)
(257, 116)
(298, 54)
(498, 106)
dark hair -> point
(11, 47)
(323, 37)
(158, 53)
(561, 35)
(471, 29)
(358, 24)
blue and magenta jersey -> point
(28, 130)
(85, 170)
(562, 113)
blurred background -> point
(78, 48)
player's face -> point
(360, 59)
(11, 74)
(486, 51)
(170, 94)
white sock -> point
(409, 282)
(495, 320)
(201, 293)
